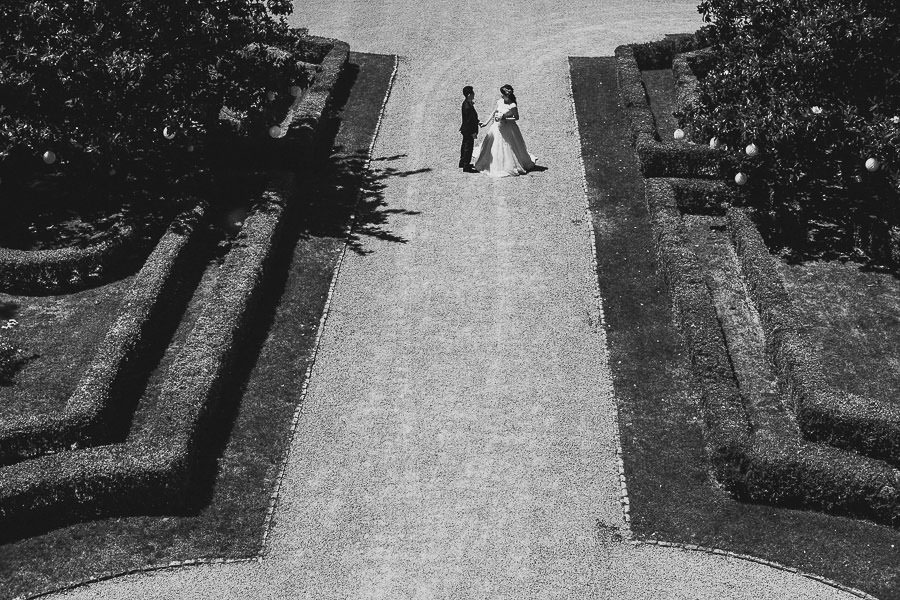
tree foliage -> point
(96, 81)
(815, 84)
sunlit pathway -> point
(459, 436)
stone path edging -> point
(752, 559)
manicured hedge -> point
(763, 461)
(788, 471)
(658, 54)
(703, 196)
(301, 123)
(105, 480)
(685, 70)
(760, 460)
(633, 97)
(823, 412)
(193, 385)
(299, 127)
(695, 315)
(153, 469)
(83, 422)
(662, 159)
(68, 269)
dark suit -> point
(468, 127)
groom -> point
(468, 129)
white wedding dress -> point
(502, 151)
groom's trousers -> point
(465, 152)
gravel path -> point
(459, 436)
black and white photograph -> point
(449, 300)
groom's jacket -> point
(469, 119)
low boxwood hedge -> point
(659, 159)
(760, 461)
(823, 412)
(299, 129)
(777, 468)
(83, 421)
(686, 70)
(704, 196)
(658, 54)
(153, 469)
(301, 124)
(69, 269)
(695, 314)
(150, 470)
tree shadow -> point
(345, 191)
(8, 310)
(339, 195)
(340, 187)
(850, 226)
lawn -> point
(57, 336)
(852, 315)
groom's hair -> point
(468, 90)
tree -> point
(815, 84)
(96, 82)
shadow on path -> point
(341, 188)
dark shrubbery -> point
(96, 82)
(9, 362)
(814, 85)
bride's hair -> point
(508, 91)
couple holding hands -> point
(502, 152)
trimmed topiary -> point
(83, 421)
(659, 159)
(69, 269)
(824, 413)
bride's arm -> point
(488, 120)
(511, 115)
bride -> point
(502, 152)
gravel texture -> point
(459, 435)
